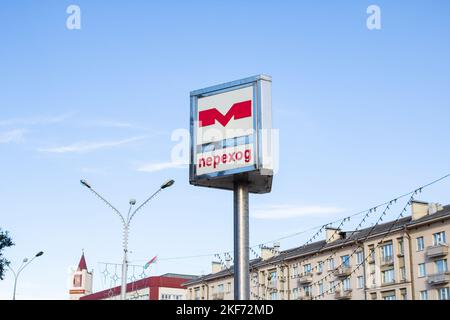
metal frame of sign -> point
(259, 175)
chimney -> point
(267, 253)
(434, 207)
(332, 234)
(228, 261)
(419, 209)
(276, 248)
(216, 267)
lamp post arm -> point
(12, 270)
(109, 205)
(143, 204)
(25, 265)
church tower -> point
(81, 281)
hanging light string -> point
(321, 228)
(379, 243)
(349, 238)
(282, 264)
(357, 249)
(368, 212)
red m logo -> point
(238, 110)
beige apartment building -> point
(404, 259)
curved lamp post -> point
(126, 226)
(25, 263)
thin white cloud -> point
(38, 120)
(110, 124)
(86, 146)
(159, 166)
(12, 136)
(278, 212)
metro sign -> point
(238, 110)
(225, 133)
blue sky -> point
(362, 115)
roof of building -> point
(82, 264)
(350, 238)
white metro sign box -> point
(231, 138)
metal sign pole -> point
(241, 242)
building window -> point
(439, 238)
(388, 276)
(403, 273)
(444, 294)
(320, 286)
(373, 296)
(424, 295)
(400, 246)
(273, 296)
(273, 279)
(389, 295)
(255, 279)
(372, 252)
(197, 294)
(359, 257)
(441, 266)
(77, 280)
(295, 293)
(320, 267)
(346, 284)
(360, 282)
(386, 253)
(345, 261)
(228, 287)
(295, 271)
(220, 288)
(420, 244)
(403, 294)
(332, 286)
(422, 270)
(307, 268)
(308, 291)
(331, 264)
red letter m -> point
(238, 110)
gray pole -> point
(241, 242)
(123, 288)
(15, 285)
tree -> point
(5, 242)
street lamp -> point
(25, 263)
(126, 226)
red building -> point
(166, 287)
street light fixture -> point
(25, 263)
(167, 184)
(126, 226)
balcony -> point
(218, 296)
(437, 251)
(343, 295)
(306, 296)
(342, 272)
(305, 279)
(439, 278)
(387, 261)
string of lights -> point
(388, 205)
(379, 243)
(280, 263)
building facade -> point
(405, 259)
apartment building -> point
(404, 259)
